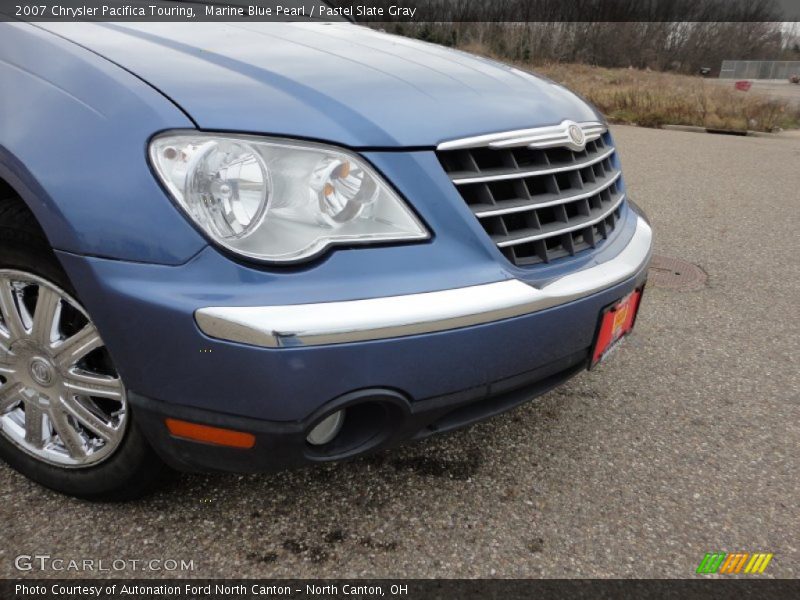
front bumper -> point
(383, 417)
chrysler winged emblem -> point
(576, 136)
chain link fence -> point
(759, 69)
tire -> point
(121, 467)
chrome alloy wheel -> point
(61, 400)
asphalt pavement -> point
(687, 441)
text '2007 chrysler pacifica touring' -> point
(253, 246)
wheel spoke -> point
(7, 366)
(7, 362)
(87, 418)
(10, 396)
(76, 347)
(48, 311)
(10, 309)
(33, 424)
(82, 383)
(71, 439)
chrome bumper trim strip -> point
(299, 325)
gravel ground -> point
(686, 442)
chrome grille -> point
(541, 194)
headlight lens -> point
(277, 200)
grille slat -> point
(557, 227)
(560, 166)
(537, 199)
(521, 138)
(540, 201)
(540, 142)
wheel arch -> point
(12, 187)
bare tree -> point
(679, 35)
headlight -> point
(277, 200)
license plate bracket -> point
(616, 322)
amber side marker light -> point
(210, 435)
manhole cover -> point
(675, 274)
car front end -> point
(342, 268)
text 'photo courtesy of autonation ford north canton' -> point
(402, 299)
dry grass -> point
(653, 99)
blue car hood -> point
(329, 81)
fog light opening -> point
(327, 429)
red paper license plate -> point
(615, 323)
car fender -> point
(74, 129)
